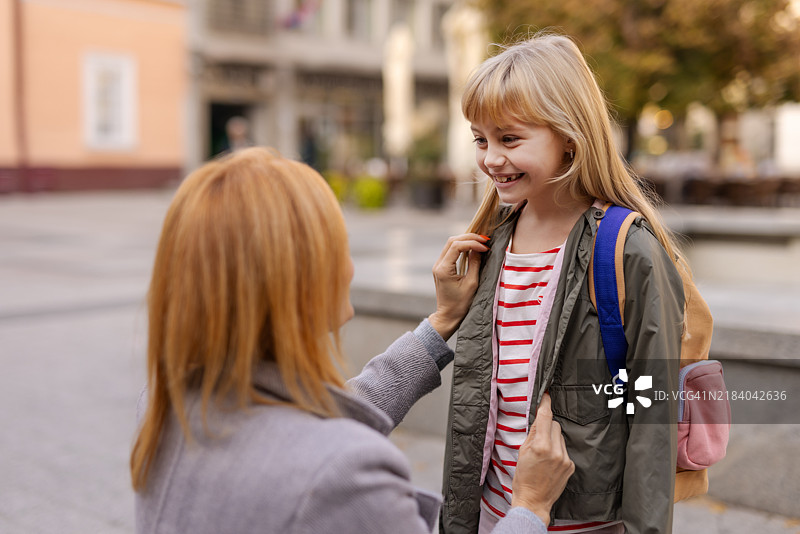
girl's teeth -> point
(504, 179)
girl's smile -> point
(504, 179)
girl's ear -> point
(569, 148)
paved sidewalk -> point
(74, 270)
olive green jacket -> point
(624, 464)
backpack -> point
(704, 412)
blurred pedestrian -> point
(246, 424)
(544, 138)
(237, 131)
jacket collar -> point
(268, 380)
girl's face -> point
(519, 158)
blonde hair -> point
(252, 265)
(545, 80)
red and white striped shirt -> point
(523, 282)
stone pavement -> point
(74, 269)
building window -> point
(437, 37)
(402, 12)
(359, 14)
(110, 98)
(251, 17)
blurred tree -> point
(726, 54)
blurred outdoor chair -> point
(700, 190)
(757, 192)
(789, 192)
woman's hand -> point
(454, 291)
(543, 467)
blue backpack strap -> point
(605, 288)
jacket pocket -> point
(596, 443)
(579, 404)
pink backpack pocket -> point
(704, 415)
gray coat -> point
(277, 469)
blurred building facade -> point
(92, 92)
(307, 74)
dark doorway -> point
(220, 115)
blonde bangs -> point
(500, 92)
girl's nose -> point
(494, 157)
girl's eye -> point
(510, 138)
(479, 141)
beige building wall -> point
(58, 37)
(8, 146)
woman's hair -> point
(545, 80)
(252, 265)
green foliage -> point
(339, 183)
(725, 54)
(370, 192)
(425, 156)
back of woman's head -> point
(545, 80)
(252, 265)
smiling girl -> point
(544, 139)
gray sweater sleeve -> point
(441, 353)
(520, 520)
(408, 370)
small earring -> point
(571, 154)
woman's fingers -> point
(544, 465)
(463, 237)
(557, 446)
(457, 245)
(454, 291)
(544, 421)
(551, 430)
